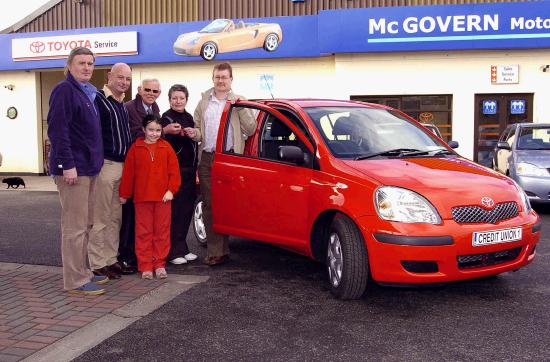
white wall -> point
(462, 74)
(20, 138)
(293, 78)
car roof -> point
(313, 102)
(529, 124)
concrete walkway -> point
(39, 321)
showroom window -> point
(433, 109)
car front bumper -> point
(183, 49)
(422, 254)
(537, 188)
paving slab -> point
(39, 321)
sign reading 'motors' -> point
(54, 47)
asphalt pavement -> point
(270, 304)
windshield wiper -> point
(400, 152)
(442, 151)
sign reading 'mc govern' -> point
(54, 47)
(519, 25)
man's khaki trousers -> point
(104, 236)
(77, 203)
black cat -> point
(14, 182)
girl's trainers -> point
(161, 273)
(147, 275)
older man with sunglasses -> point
(144, 103)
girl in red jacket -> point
(151, 175)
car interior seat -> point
(240, 25)
(343, 130)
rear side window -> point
(248, 117)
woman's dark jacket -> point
(185, 147)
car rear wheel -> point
(199, 227)
(347, 261)
(271, 42)
(209, 51)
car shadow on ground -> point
(541, 208)
(254, 264)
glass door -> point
(494, 112)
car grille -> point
(476, 214)
(487, 259)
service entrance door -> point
(493, 113)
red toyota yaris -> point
(371, 193)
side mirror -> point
(292, 154)
(504, 146)
(453, 144)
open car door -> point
(264, 192)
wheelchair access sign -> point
(490, 106)
(517, 106)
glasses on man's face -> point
(149, 90)
(218, 78)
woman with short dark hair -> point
(174, 121)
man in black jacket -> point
(115, 126)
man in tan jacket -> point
(207, 121)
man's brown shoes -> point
(108, 272)
(215, 260)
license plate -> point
(496, 236)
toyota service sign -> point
(54, 47)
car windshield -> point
(534, 138)
(216, 26)
(362, 133)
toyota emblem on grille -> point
(487, 202)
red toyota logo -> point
(37, 47)
(487, 202)
(425, 117)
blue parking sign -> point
(517, 106)
(489, 106)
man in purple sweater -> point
(76, 158)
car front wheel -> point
(199, 227)
(209, 51)
(271, 42)
(347, 261)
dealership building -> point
(469, 68)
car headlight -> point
(528, 169)
(398, 204)
(524, 198)
(193, 41)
